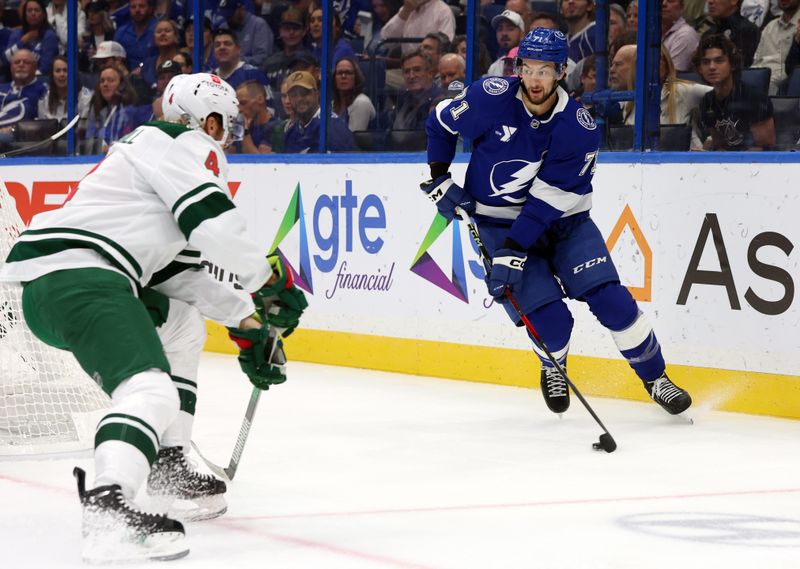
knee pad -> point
(612, 305)
(554, 323)
(149, 396)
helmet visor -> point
(236, 128)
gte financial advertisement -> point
(708, 250)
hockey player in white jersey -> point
(114, 278)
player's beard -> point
(541, 99)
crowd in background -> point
(728, 71)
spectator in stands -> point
(776, 41)
(303, 134)
(166, 71)
(184, 61)
(622, 68)
(112, 114)
(759, 12)
(255, 37)
(679, 98)
(137, 35)
(588, 82)
(452, 67)
(166, 37)
(435, 44)
(382, 12)
(57, 16)
(733, 116)
(544, 20)
(230, 66)
(259, 120)
(99, 28)
(53, 105)
(416, 18)
(110, 53)
(412, 106)
(694, 11)
(724, 18)
(208, 63)
(279, 133)
(19, 99)
(292, 31)
(5, 33)
(349, 101)
(35, 35)
(340, 46)
(680, 39)
(521, 7)
(633, 16)
(793, 58)
(509, 29)
(459, 46)
(628, 38)
(617, 22)
(622, 77)
(175, 10)
(305, 61)
(579, 16)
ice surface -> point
(356, 469)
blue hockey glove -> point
(507, 266)
(447, 195)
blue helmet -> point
(543, 44)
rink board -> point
(707, 249)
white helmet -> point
(189, 99)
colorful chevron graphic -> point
(294, 215)
(425, 266)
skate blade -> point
(198, 509)
(108, 549)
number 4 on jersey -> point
(212, 163)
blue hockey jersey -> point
(526, 171)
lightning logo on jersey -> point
(510, 180)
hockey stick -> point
(44, 142)
(606, 442)
(229, 471)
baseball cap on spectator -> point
(168, 67)
(293, 17)
(108, 49)
(226, 8)
(302, 79)
(96, 6)
(510, 16)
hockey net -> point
(48, 404)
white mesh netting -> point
(47, 402)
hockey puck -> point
(606, 443)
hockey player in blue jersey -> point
(529, 187)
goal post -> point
(48, 404)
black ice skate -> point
(672, 398)
(116, 532)
(554, 389)
(189, 495)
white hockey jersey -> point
(157, 201)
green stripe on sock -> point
(127, 434)
(145, 427)
(188, 398)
